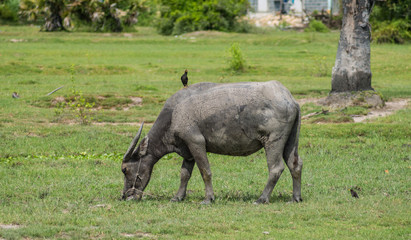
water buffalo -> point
(235, 119)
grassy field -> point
(61, 179)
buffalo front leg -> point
(185, 175)
(196, 144)
(276, 166)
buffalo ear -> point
(143, 146)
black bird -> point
(15, 95)
(184, 78)
(354, 194)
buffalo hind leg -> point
(185, 175)
(295, 164)
(273, 152)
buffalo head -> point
(136, 167)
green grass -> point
(63, 180)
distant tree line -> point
(168, 16)
(390, 19)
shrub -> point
(236, 61)
(316, 26)
(180, 16)
(78, 104)
(397, 31)
(390, 21)
(9, 10)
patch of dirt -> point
(340, 100)
(136, 101)
(138, 235)
(58, 99)
(390, 108)
(104, 206)
(205, 34)
(272, 20)
(16, 40)
(10, 226)
(63, 235)
(27, 134)
(31, 134)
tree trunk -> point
(54, 22)
(352, 65)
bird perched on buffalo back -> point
(184, 78)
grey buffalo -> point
(235, 119)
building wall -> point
(270, 5)
(253, 5)
(309, 5)
(312, 5)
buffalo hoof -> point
(261, 201)
(177, 199)
(207, 201)
(134, 198)
(297, 199)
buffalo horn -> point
(133, 143)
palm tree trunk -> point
(54, 22)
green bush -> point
(390, 21)
(390, 10)
(397, 31)
(9, 10)
(180, 16)
(316, 26)
(236, 61)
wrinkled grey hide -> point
(232, 119)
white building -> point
(297, 6)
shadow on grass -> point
(229, 196)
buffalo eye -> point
(124, 170)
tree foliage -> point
(389, 10)
(236, 61)
(397, 31)
(52, 11)
(180, 16)
(316, 26)
(9, 10)
(391, 21)
(102, 15)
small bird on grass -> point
(15, 95)
(354, 194)
(184, 78)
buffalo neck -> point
(159, 136)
